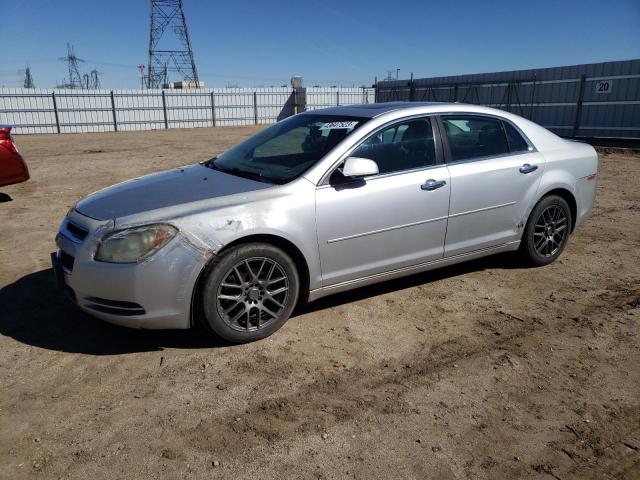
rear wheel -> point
(547, 230)
(249, 292)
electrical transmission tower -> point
(28, 79)
(75, 80)
(94, 79)
(169, 15)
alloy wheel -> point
(550, 231)
(252, 294)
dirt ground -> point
(486, 370)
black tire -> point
(230, 284)
(547, 231)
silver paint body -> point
(384, 228)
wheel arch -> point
(568, 197)
(285, 245)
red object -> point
(13, 168)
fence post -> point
(113, 111)
(576, 123)
(533, 96)
(55, 110)
(412, 89)
(337, 98)
(255, 107)
(375, 90)
(213, 109)
(164, 110)
(455, 93)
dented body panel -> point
(346, 238)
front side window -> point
(284, 151)
(473, 137)
(403, 146)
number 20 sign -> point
(604, 86)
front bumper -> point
(155, 293)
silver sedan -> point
(319, 203)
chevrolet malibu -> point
(322, 202)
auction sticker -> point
(338, 125)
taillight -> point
(5, 139)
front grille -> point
(78, 232)
(66, 260)
(115, 307)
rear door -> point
(392, 220)
(495, 173)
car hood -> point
(164, 189)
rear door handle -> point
(526, 168)
(432, 184)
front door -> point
(392, 220)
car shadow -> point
(33, 311)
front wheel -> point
(249, 292)
(547, 230)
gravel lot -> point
(484, 370)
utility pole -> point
(168, 16)
(141, 68)
(28, 79)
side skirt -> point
(402, 272)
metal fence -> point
(75, 111)
(593, 100)
(319, 97)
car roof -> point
(370, 110)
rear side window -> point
(403, 146)
(516, 142)
(473, 137)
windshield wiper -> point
(238, 172)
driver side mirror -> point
(359, 167)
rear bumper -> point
(585, 197)
(13, 169)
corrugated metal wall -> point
(592, 100)
(76, 111)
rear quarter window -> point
(516, 142)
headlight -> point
(134, 244)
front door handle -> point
(526, 168)
(432, 184)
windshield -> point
(285, 150)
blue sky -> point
(250, 43)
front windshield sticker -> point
(338, 125)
